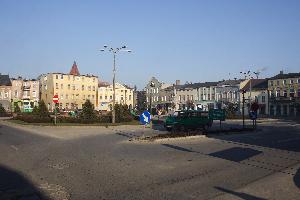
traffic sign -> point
(145, 118)
(55, 99)
(217, 114)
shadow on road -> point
(236, 154)
(240, 194)
(15, 186)
(297, 178)
(282, 138)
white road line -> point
(14, 147)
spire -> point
(74, 69)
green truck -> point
(188, 119)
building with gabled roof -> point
(72, 89)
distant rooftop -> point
(281, 75)
(4, 80)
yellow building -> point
(72, 89)
(124, 95)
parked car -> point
(188, 119)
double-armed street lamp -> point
(114, 51)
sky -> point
(191, 40)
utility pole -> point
(114, 51)
(243, 108)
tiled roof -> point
(4, 80)
(74, 69)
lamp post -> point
(152, 85)
(114, 51)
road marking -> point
(14, 147)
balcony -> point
(283, 99)
(26, 88)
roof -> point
(103, 84)
(284, 76)
(74, 69)
(4, 80)
(256, 84)
(230, 82)
(197, 85)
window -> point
(73, 86)
(263, 99)
(89, 88)
(61, 86)
(16, 93)
(94, 88)
(291, 81)
(105, 97)
(284, 82)
(6, 95)
(82, 87)
(61, 76)
(292, 92)
(100, 97)
(278, 93)
(284, 93)
(33, 93)
(93, 79)
(271, 83)
(278, 83)
(69, 86)
(56, 76)
(56, 85)
(129, 97)
(110, 97)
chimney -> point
(177, 82)
(281, 72)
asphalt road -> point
(106, 163)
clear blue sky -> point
(189, 40)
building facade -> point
(284, 91)
(5, 92)
(72, 89)
(256, 92)
(25, 93)
(124, 96)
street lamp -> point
(152, 85)
(114, 51)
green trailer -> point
(188, 120)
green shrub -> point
(88, 112)
(17, 109)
